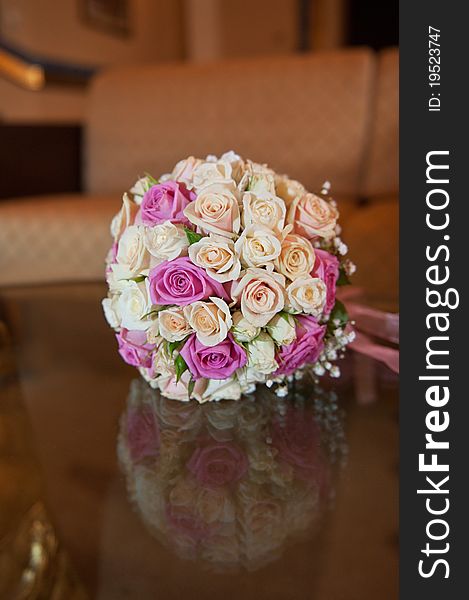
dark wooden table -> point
(65, 404)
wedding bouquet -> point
(223, 275)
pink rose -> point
(165, 202)
(218, 463)
(305, 349)
(181, 282)
(134, 349)
(297, 440)
(213, 362)
(143, 435)
(326, 267)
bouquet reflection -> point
(230, 484)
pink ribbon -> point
(375, 323)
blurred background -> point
(72, 39)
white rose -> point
(111, 311)
(261, 354)
(248, 378)
(211, 321)
(132, 254)
(139, 188)
(307, 295)
(116, 278)
(267, 210)
(282, 329)
(257, 246)
(222, 389)
(173, 324)
(124, 218)
(262, 295)
(184, 170)
(215, 210)
(216, 254)
(208, 173)
(296, 258)
(163, 362)
(165, 241)
(243, 330)
(134, 304)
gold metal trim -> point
(28, 76)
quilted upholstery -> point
(381, 169)
(63, 238)
(304, 115)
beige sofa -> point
(320, 116)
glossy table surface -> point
(109, 491)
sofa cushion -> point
(305, 115)
(55, 238)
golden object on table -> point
(33, 565)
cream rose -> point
(124, 218)
(257, 246)
(215, 210)
(132, 254)
(288, 189)
(184, 170)
(282, 329)
(139, 188)
(261, 354)
(133, 304)
(153, 332)
(261, 294)
(236, 163)
(216, 254)
(243, 330)
(307, 295)
(209, 173)
(211, 321)
(267, 210)
(173, 324)
(312, 216)
(165, 241)
(296, 257)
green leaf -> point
(192, 236)
(286, 316)
(338, 313)
(190, 387)
(343, 278)
(156, 310)
(138, 279)
(172, 346)
(181, 366)
(151, 179)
